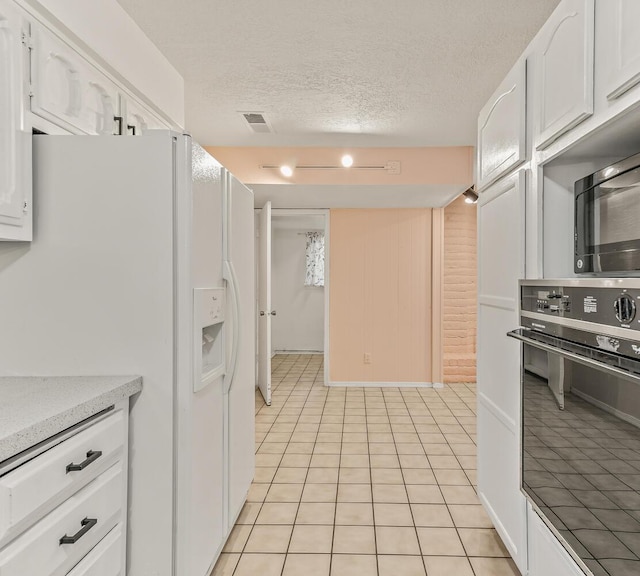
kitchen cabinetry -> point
(68, 90)
(546, 556)
(566, 69)
(501, 254)
(619, 48)
(502, 128)
(63, 511)
(15, 137)
(137, 118)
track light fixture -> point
(470, 195)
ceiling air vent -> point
(257, 122)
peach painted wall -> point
(380, 295)
(459, 300)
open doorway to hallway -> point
(293, 271)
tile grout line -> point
(268, 490)
(422, 555)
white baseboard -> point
(298, 352)
(387, 384)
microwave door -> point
(606, 229)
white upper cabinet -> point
(138, 119)
(566, 69)
(68, 91)
(15, 137)
(502, 128)
(619, 46)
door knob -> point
(261, 312)
(273, 313)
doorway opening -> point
(292, 287)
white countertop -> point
(33, 409)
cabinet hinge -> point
(26, 40)
(25, 207)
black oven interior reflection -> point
(581, 467)
(581, 416)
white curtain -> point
(315, 259)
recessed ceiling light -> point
(347, 161)
(286, 171)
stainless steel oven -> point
(580, 465)
(607, 217)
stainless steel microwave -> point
(607, 220)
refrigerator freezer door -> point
(200, 505)
(240, 398)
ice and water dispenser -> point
(209, 306)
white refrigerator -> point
(134, 238)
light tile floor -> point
(363, 482)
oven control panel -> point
(614, 305)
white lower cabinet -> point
(547, 557)
(31, 486)
(499, 478)
(63, 511)
(106, 559)
(62, 538)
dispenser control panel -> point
(211, 304)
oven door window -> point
(581, 459)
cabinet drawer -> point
(88, 516)
(30, 491)
(106, 559)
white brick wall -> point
(460, 292)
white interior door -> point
(264, 304)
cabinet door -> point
(69, 91)
(547, 557)
(620, 46)
(502, 128)
(100, 104)
(566, 65)
(138, 118)
(501, 258)
(15, 139)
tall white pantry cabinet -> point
(570, 104)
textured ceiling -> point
(336, 72)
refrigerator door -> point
(264, 305)
(200, 528)
(240, 380)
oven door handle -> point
(601, 366)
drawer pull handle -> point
(92, 456)
(87, 524)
